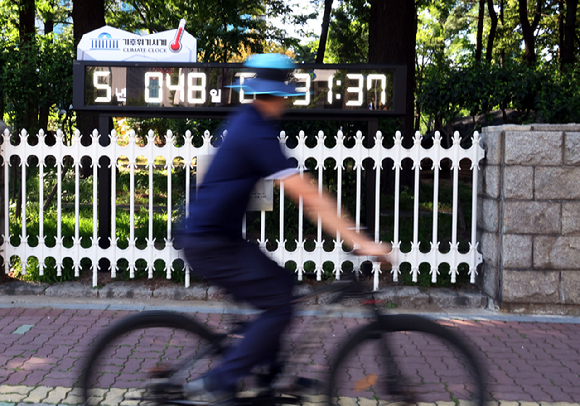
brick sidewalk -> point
(41, 349)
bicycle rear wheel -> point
(140, 350)
(407, 359)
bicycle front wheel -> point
(406, 359)
(142, 350)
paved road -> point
(528, 359)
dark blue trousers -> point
(249, 275)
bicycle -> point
(393, 358)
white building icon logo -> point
(105, 41)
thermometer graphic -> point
(175, 45)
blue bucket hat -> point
(272, 70)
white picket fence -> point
(188, 152)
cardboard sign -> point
(112, 44)
(261, 198)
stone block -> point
(488, 181)
(572, 148)
(22, 288)
(71, 289)
(181, 293)
(556, 252)
(533, 148)
(519, 182)
(303, 289)
(557, 183)
(404, 296)
(491, 139)
(571, 218)
(450, 298)
(125, 290)
(556, 127)
(489, 247)
(570, 287)
(517, 251)
(488, 219)
(531, 286)
(473, 299)
(217, 294)
(490, 276)
(521, 217)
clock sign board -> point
(122, 73)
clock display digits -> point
(179, 88)
(153, 87)
(330, 84)
(358, 90)
(102, 86)
(206, 87)
(382, 79)
(199, 87)
(303, 77)
(246, 75)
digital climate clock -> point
(201, 89)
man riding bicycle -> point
(213, 243)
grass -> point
(143, 193)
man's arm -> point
(325, 206)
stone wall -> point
(529, 217)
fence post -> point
(3, 214)
(370, 179)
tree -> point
(492, 30)
(568, 35)
(348, 37)
(88, 15)
(324, 31)
(479, 36)
(221, 27)
(392, 38)
(528, 29)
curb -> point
(398, 296)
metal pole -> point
(104, 186)
(370, 178)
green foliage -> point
(348, 34)
(222, 28)
(177, 126)
(540, 93)
(34, 76)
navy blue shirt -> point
(250, 151)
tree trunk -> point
(567, 50)
(27, 30)
(44, 109)
(324, 31)
(492, 30)
(88, 15)
(561, 13)
(49, 20)
(26, 27)
(528, 29)
(502, 21)
(392, 39)
(479, 35)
